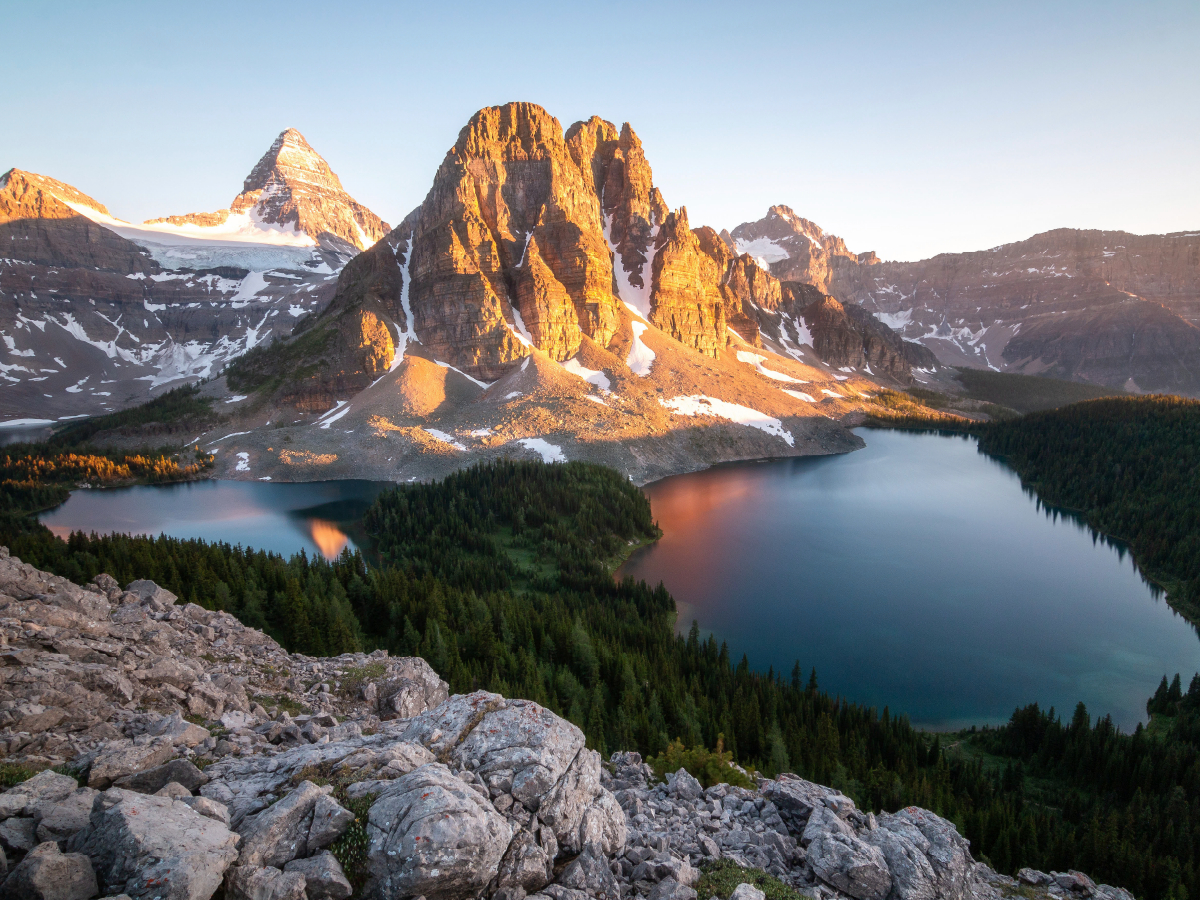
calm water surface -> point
(915, 574)
(316, 517)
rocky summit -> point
(168, 765)
(292, 186)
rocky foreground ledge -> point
(418, 793)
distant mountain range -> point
(1105, 307)
(542, 299)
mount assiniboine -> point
(544, 299)
(97, 313)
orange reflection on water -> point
(330, 539)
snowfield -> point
(700, 405)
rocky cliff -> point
(385, 785)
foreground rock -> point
(391, 785)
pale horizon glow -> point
(909, 130)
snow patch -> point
(483, 384)
(641, 357)
(701, 405)
(243, 464)
(592, 376)
(444, 438)
(799, 395)
(762, 249)
(549, 452)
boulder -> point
(44, 787)
(563, 807)
(429, 833)
(683, 786)
(181, 732)
(18, 834)
(46, 873)
(410, 688)
(795, 799)
(590, 873)
(263, 883)
(151, 781)
(63, 819)
(151, 594)
(842, 860)
(948, 853)
(670, 889)
(525, 864)
(746, 891)
(323, 877)
(124, 757)
(155, 847)
(304, 821)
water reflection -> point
(330, 539)
(316, 517)
(915, 574)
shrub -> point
(720, 877)
(709, 767)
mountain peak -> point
(291, 159)
(292, 187)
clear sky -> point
(906, 128)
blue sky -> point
(907, 128)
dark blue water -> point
(316, 517)
(915, 574)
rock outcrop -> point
(458, 797)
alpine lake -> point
(915, 574)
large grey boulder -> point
(683, 786)
(323, 876)
(43, 788)
(943, 869)
(155, 847)
(746, 891)
(590, 873)
(843, 861)
(63, 819)
(409, 688)
(429, 833)
(181, 772)
(151, 594)
(18, 834)
(127, 757)
(46, 873)
(565, 805)
(795, 799)
(523, 750)
(263, 883)
(304, 821)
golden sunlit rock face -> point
(330, 539)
